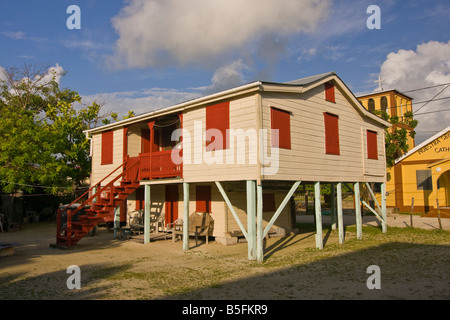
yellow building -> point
(393, 103)
(423, 174)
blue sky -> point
(142, 55)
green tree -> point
(42, 142)
(396, 137)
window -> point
(331, 133)
(424, 180)
(107, 147)
(217, 117)
(371, 105)
(269, 202)
(329, 92)
(280, 120)
(372, 147)
(384, 104)
(203, 199)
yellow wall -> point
(428, 157)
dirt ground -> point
(293, 268)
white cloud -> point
(172, 32)
(428, 65)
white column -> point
(251, 217)
(318, 213)
(383, 208)
(185, 216)
(259, 227)
(339, 213)
(358, 212)
(146, 213)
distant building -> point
(423, 174)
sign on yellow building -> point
(423, 174)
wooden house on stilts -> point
(238, 155)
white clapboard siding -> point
(242, 117)
(100, 171)
(307, 160)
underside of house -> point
(234, 158)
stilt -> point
(185, 216)
(318, 215)
(251, 219)
(259, 227)
(383, 208)
(116, 222)
(146, 214)
(340, 214)
(358, 212)
(333, 206)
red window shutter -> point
(269, 202)
(145, 140)
(372, 146)
(280, 119)
(331, 133)
(218, 117)
(329, 92)
(203, 199)
(107, 147)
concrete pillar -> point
(146, 214)
(340, 213)
(251, 219)
(185, 216)
(358, 212)
(318, 213)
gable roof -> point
(296, 86)
(423, 144)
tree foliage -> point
(396, 137)
(42, 142)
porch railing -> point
(158, 165)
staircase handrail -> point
(109, 185)
(96, 185)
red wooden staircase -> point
(75, 221)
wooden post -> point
(412, 210)
(251, 219)
(333, 206)
(383, 208)
(358, 212)
(339, 213)
(318, 215)
(116, 220)
(438, 213)
(146, 213)
(259, 227)
(185, 216)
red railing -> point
(129, 167)
(158, 165)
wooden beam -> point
(281, 207)
(251, 218)
(373, 211)
(230, 206)
(358, 212)
(373, 196)
(318, 213)
(333, 206)
(146, 213)
(339, 213)
(383, 208)
(259, 227)
(185, 216)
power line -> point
(432, 98)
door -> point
(171, 203)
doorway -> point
(171, 203)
